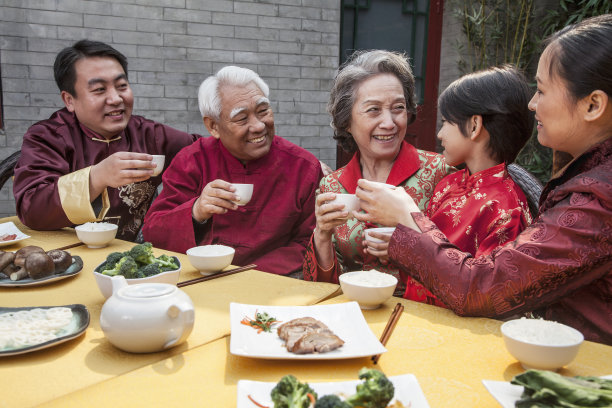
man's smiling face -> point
(246, 123)
(104, 100)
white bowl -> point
(96, 235)
(541, 344)
(106, 287)
(245, 192)
(160, 160)
(383, 230)
(368, 288)
(209, 259)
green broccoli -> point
(112, 259)
(375, 392)
(126, 267)
(290, 393)
(143, 253)
(150, 270)
(166, 263)
(331, 401)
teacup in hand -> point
(159, 160)
(388, 231)
(350, 201)
(244, 191)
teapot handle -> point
(186, 313)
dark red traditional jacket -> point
(51, 183)
(271, 230)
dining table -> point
(449, 355)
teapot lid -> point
(147, 290)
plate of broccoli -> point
(373, 390)
(138, 265)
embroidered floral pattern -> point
(136, 196)
(479, 212)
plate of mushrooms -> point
(32, 265)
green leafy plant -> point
(505, 31)
(497, 32)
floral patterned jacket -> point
(418, 172)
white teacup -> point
(379, 184)
(382, 230)
(350, 201)
(244, 191)
(158, 159)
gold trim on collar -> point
(107, 141)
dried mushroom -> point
(23, 253)
(61, 259)
(39, 265)
(6, 259)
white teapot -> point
(146, 317)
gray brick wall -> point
(172, 45)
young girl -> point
(486, 122)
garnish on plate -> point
(261, 322)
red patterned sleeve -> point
(311, 267)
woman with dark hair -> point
(559, 267)
(372, 102)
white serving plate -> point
(75, 268)
(80, 322)
(344, 319)
(11, 228)
(407, 391)
(508, 394)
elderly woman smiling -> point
(372, 102)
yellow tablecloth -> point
(449, 355)
(33, 378)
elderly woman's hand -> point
(385, 205)
(328, 215)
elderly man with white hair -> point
(198, 203)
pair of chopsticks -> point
(70, 246)
(217, 275)
(386, 334)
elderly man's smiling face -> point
(246, 125)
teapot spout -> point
(118, 282)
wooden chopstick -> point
(217, 275)
(391, 323)
(70, 246)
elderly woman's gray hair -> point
(209, 100)
(363, 65)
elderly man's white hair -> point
(209, 100)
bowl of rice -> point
(541, 344)
(96, 234)
(368, 288)
(209, 259)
